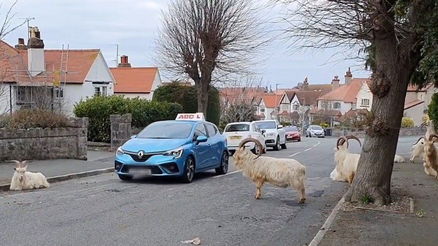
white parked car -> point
(275, 135)
(238, 131)
(315, 131)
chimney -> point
(124, 62)
(21, 45)
(348, 76)
(335, 82)
(305, 84)
(35, 52)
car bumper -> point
(296, 137)
(158, 165)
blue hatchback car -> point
(177, 148)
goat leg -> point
(302, 195)
(259, 184)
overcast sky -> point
(134, 24)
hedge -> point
(98, 109)
(186, 96)
(33, 118)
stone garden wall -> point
(41, 144)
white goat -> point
(431, 156)
(346, 162)
(24, 180)
(276, 171)
(417, 149)
(399, 159)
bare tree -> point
(398, 39)
(206, 39)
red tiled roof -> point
(306, 97)
(416, 88)
(346, 93)
(78, 65)
(242, 94)
(272, 100)
(134, 80)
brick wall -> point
(41, 144)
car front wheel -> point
(189, 170)
(223, 168)
(277, 144)
(125, 177)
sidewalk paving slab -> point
(368, 227)
(97, 160)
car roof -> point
(235, 123)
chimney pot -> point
(124, 61)
(335, 82)
(21, 45)
(21, 41)
(348, 76)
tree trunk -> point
(390, 80)
(202, 89)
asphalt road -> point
(220, 210)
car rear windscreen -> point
(237, 128)
(291, 129)
(166, 130)
(266, 125)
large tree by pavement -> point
(399, 41)
(208, 39)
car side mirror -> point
(201, 139)
(280, 126)
(133, 136)
(263, 131)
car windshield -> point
(291, 129)
(166, 130)
(316, 128)
(237, 128)
(266, 125)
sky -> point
(133, 27)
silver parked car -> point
(315, 131)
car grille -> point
(142, 159)
(154, 169)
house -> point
(354, 94)
(242, 95)
(135, 81)
(269, 106)
(417, 101)
(34, 77)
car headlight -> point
(120, 151)
(177, 153)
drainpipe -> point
(10, 99)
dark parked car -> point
(293, 133)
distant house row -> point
(307, 102)
(32, 76)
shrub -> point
(433, 109)
(98, 110)
(34, 118)
(186, 97)
(407, 122)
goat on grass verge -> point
(346, 162)
(276, 171)
(431, 156)
(24, 180)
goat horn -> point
(432, 136)
(418, 140)
(339, 142)
(18, 163)
(355, 138)
(257, 143)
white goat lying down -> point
(346, 162)
(418, 149)
(276, 171)
(431, 156)
(24, 180)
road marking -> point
(318, 237)
(318, 143)
(237, 171)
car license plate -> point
(235, 137)
(140, 171)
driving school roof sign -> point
(196, 116)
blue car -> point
(178, 148)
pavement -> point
(372, 227)
(61, 169)
(220, 210)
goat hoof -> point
(302, 200)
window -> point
(200, 131)
(237, 128)
(262, 110)
(337, 105)
(21, 94)
(296, 106)
(97, 91)
(365, 102)
(211, 130)
(104, 91)
(59, 92)
(166, 130)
